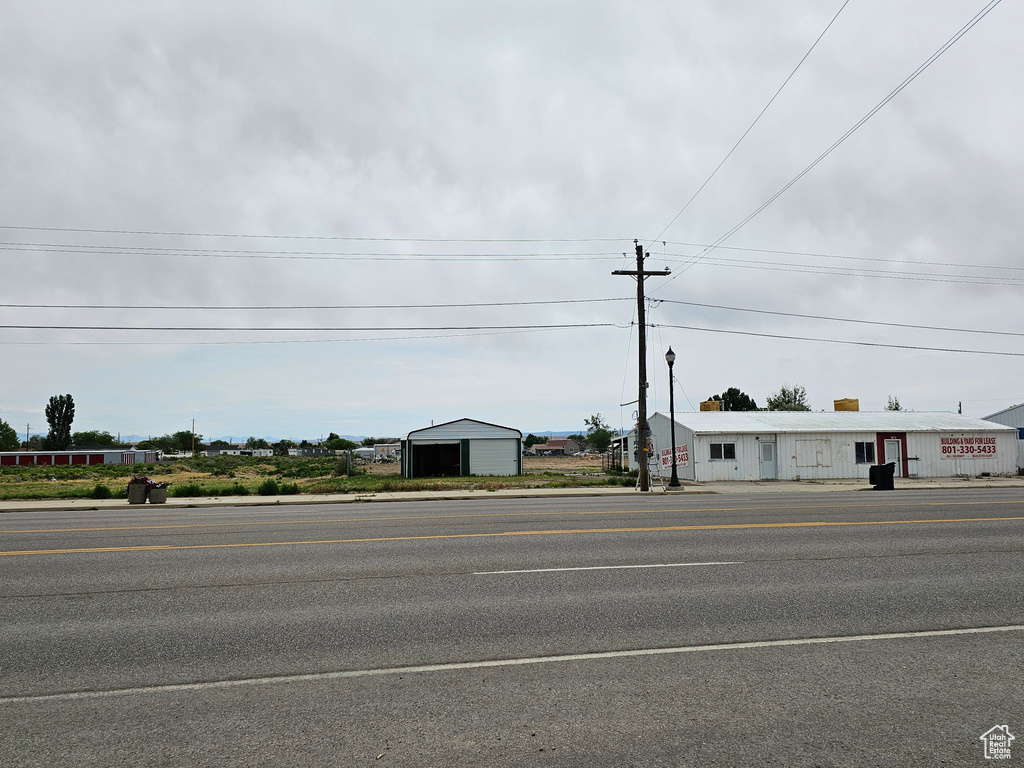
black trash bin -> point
(881, 476)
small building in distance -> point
(807, 445)
(461, 448)
(556, 448)
(238, 451)
(77, 458)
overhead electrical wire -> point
(399, 256)
(307, 329)
(871, 113)
(845, 341)
(813, 269)
(342, 238)
(751, 126)
(212, 253)
(318, 307)
(464, 331)
(843, 319)
(876, 259)
(267, 341)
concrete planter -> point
(136, 493)
(157, 495)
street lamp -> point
(670, 358)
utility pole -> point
(641, 427)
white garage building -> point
(462, 447)
(804, 445)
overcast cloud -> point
(592, 122)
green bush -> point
(289, 489)
(101, 492)
(186, 489)
(269, 487)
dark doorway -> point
(436, 460)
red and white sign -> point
(682, 457)
(956, 447)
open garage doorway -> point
(437, 460)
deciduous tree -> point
(599, 433)
(60, 412)
(735, 400)
(789, 399)
(8, 437)
(90, 438)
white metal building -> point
(77, 458)
(804, 445)
(1012, 417)
(462, 447)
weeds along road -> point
(853, 629)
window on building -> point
(865, 452)
(720, 451)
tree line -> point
(60, 415)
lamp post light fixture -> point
(670, 358)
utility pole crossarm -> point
(646, 273)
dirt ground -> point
(570, 465)
(567, 464)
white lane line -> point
(455, 666)
(605, 568)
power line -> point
(211, 253)
(843, 341)
(310, 306)
(751, 126)
(842, 319)
(892, 94)
(848, 258)
(270, 341)
(814, 269)
(308, 329)
(343, 238)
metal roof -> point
(830, 421)
(1005, 410)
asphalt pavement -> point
(751, 628)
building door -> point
(768, 470)
(893, 455)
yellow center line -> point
(731, 526)
(502, 514)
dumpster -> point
(881, 476)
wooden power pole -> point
(641, 427)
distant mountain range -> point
(353, 438)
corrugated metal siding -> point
(1011, 417)
(928, 460)
(463, 428)
(746, 465)
(494, 457)
(842, 456)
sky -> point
(247, 213)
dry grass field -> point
(234, 476)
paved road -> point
(590, 632)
